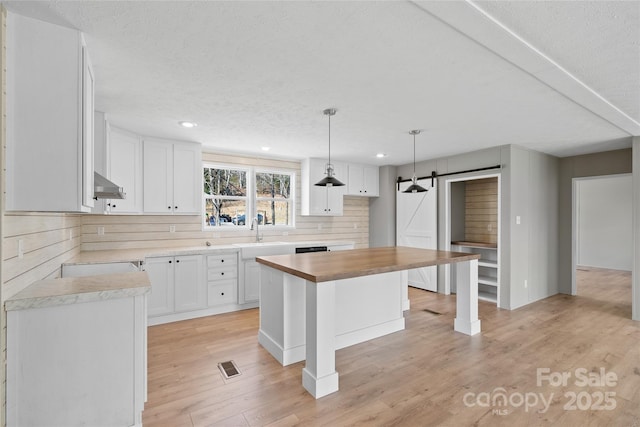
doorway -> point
(602, 225)
(472, 224)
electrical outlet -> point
(100, 230)
(20, 248)
(525, 283)
(172, 229)
(518, 219)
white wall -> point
(604, 222)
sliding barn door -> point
(417, 227)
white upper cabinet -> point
(363, 181)
(172, 177)
(124, 168)
(49, 118)
(321, 201)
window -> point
(233, 197)
(273, 198)
(225, 196)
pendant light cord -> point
(414, 155)
(329, 139)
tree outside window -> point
(228, 202)
(225, 192)
(273, 198)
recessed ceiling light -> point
(266, 148)
(186, 124)
(381, 155)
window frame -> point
(251, 197)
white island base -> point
(337, 314)
(314, 304)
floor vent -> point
(432, 312)
(229, 369)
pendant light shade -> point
(329, 180)
(414, 187)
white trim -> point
(574, 223)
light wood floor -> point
(417, 377)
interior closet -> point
(474, 227)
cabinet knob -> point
(222, 293)
(222, 260)
(175, 207)
(177, 260)
(169, 207)
(170, 261)
(113, 206)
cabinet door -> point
(335, 195)
(321, 201)
(355, 186)
(251, 283)
(158, 177)
(363, 181)
(371, 181)
(187, 178)
(88, 84)
(124, 164)
(43, 116)
(189, 287)
(161, 273)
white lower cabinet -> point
(177, 284)
(251, 281)
(222, 279)
(78, 364)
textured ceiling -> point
(558, 78)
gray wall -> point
(636, 230)
(382, 211)
(604, 231)
(597, 164)
(529, 183)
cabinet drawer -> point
(214, 261)
(222, 273)
(222, 292)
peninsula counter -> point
(316, 303)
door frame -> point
(574, 222)
(446, 276)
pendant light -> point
(414, 188)
(329, 180)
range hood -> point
(105, 189)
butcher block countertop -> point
(327, 266)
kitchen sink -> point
(255, 249)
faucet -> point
(256, 222)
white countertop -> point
(73, 290)
(139, 255)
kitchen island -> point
(314, 304)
